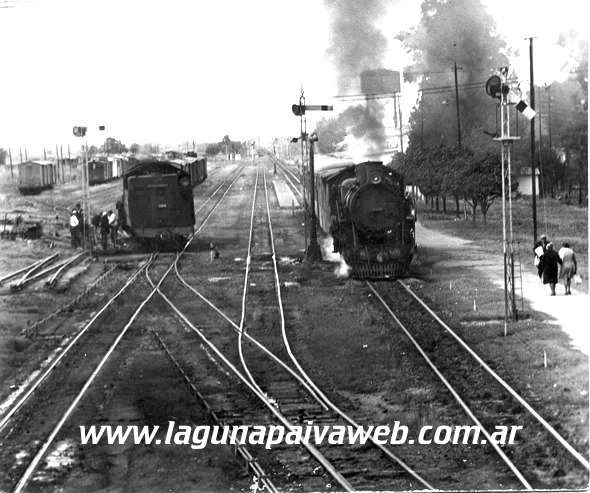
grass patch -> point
(559, 221)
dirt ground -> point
(337, 331)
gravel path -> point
(568, 312)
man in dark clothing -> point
(549, 267)
(104, 230)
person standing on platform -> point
(549, 267)
(569, 266)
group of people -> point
(105, 225)
(548, 261)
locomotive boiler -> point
(365, 209)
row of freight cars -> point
(108, 168)
(34, 176)
(37, 175)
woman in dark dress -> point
(549, 267)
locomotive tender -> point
(158, 198)
(371, 219)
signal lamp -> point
(494, 86)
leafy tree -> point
(134, 148)
(482, 183)
(212, 150)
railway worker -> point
(74, 229)
(549, 266)
(569, 266)
(104, 229)
(122, 216)
(113, 226)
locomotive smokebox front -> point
(374, 200)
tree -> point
(212, 150)
(449, 32)
(3, 154)
(482, 183)
(134, 148)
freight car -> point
(158, 200)
(372, 221)
(106, 168)
(36, 176)
(195, 167)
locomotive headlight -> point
(376, 180)
(184, 181)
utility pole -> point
(57, 163)
(422, 125)
(548, 89)
(10, 158)
(457, 106)
(540, 156)
(401, 127)
(533, 163)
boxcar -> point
(36, 176)
(97, 171)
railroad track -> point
(48, 401)
(293, 181)
(284, 388)
(471, 381)
(52, 398)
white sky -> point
(170, 71)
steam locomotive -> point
(365, 209)
(158, 198)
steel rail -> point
(502, 382)
(240, 449)
(325, 399)
(245, 290)
(35, 462)
(287, 170)
(53, 279)
(48, 441)
(457, 397)
(253, 340)
(22, 269)
(63, 353)
(271, 407)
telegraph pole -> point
(533, 164)
(457, 106)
